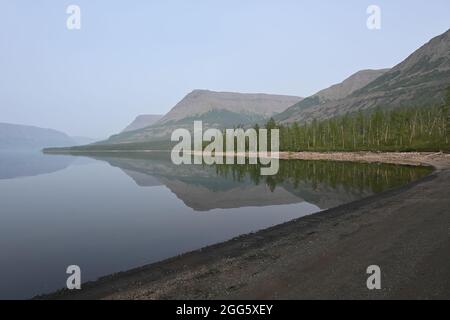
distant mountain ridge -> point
(23, 137)
(142, 121)
(420, 79)
(333, 93)
(200, 102)
(215, 109)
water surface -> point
(112, 212)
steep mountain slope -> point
(215, 109)
(142, 121)
(333, 93)
(420, 79)
(20, 137)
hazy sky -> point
(135, 57)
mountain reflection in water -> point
(15, 164)
(325, 184)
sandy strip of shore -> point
(406, 158)
(405, 231)
(437, 160)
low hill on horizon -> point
(24, 137)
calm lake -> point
(111, 212)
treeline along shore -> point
(402, 129)
(413, 128)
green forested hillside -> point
(401, 129)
